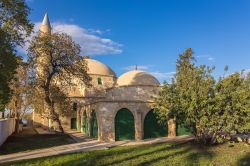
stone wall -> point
(141, 93)
(7, 127)
(106, 112)
(78, 89)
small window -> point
(74, 106)
(99, 80)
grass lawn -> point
(157, 154)
(29, 140)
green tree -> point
(55, 59)
(232, 106)
(167, 102)
(14, 28)
(211, 109)
(20, 101)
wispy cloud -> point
(208, 57)
(90, 41)
(163, 75)
(139, 67)
(246, 72)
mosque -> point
(113, 108)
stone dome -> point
(137, 77)
(98, 68)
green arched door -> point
(152, 129)
(73, 123)
(94, 125)
(124, 125)
(181, 129)
(86, 125)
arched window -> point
(99, 81)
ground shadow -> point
(244, 161)
(29, 140)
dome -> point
(98, 68)
(137, 77)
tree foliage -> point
(20, 101)
(212, 109)
(14, 28)
(55, 59)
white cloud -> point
(211, 59)
(208, 57)
(90, 42)
(139, 67)
(246, 72)
(163, 75)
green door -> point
(94, 125)
(86, 125)
(124, 125)
(152, 129)
(181, 129)
(73, 123)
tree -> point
(166, 103)
(14, 28)
(232, 106)
(211, 109)
(56, 59)
(20, 100)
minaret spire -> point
(45, 27)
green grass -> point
(157, 154)
(29, 140)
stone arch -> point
(153, 129)
(124, 125)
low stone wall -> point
(7, 127)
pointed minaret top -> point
(46, 20)
(45, 27)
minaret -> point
(45, 27)
(42, 62)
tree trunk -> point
(59, 124)
(50, 102)
(53, 114)
(17, 125)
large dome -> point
(98, 68)
(137, 77)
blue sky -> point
(151, 33)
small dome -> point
(137, 77)
(98, 68)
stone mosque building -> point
(114, 108)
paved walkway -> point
(40, 130)
(85, 146)
(78, 136)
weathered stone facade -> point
(133, 90)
